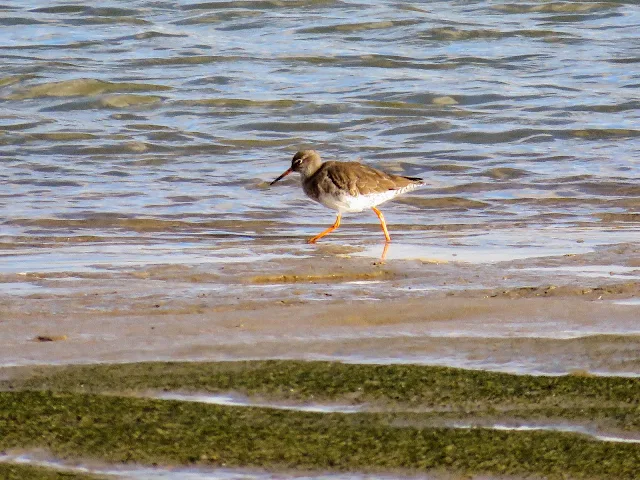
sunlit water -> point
(155, 121)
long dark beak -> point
(281, 176)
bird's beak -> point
(281, 176)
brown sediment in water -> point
(326, 277)
(139, 224)
(443, 203)
(81, 87)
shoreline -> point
(550, 315)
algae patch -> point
(9, 471)
(120, 429)
(91, 411)
(612, 402)
(409, 384)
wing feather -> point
(358, 179)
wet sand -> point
(551, 315)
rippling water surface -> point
(162, 120)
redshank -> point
(347, 186)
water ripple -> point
(508, 109)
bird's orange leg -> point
(327, 231)
(383, 223)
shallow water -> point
(558, 428)
(239, 400)
(173, 115)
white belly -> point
(348, 203)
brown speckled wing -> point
(355, 178)
(366, 180)
(342, 176)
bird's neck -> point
(310, 170)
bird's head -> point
(305, 162)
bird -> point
(347, 186)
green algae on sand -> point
(610, 403)
(11, 471)
(89, 411)
(124, 429)
(411, 385)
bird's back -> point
(338, 180)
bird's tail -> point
(415, 179)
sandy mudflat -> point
(539, 314)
